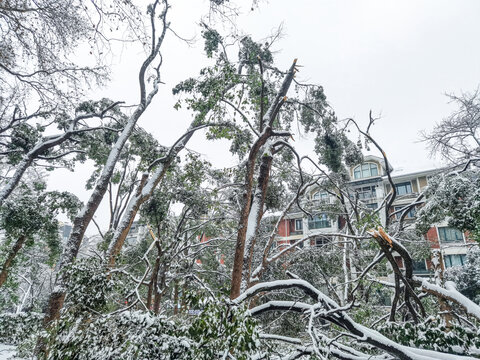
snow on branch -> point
(329, 310)
(451, 293)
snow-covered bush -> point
(129, 335)
(92, 327)
(89, 287)
(142, 335)
(455, 198)
(16, 328)
(467, 277)
(433, 334)
(221, 328)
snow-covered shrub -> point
(87, 331)
(467, 277)
(16, 328)
(128, 335)
(220, 328)
(89, 286)
(455, 198)
(433, 334)
(142, 335)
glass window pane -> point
(454, 260)
(419, 266)
(298, 224)
(448, 234)
(403, 188)
(365, 170)
(410, 215)
(319, 222)
(447, 261)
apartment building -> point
(369, 184)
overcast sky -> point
(397, 58)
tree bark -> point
(243, 221)
(11, 256)
(267, 132)
(144, 192)
(259, 198)
(175, 298)
(153, 285)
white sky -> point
(397, 58)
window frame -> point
(366, 192)
(372, 206)
(410, 215)
(361, 170)
(321, 241)
(406, 184)
(447, 260)
(424, 269)
(301, 226)
(321, 219)
(442, 230)
(321, 196)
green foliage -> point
(212, 40)
(221, 328)
(334, 149)
(275, 197)
(89, 286)
(128, 335)
(31, 212)
(17, 328)
(145, 147)
(369, 220)
(455, 197)
(251, 51)
(467, 277)
(433, 334)
(23, 139)
(207, 91)
(330, 149)
(317, 108)
(214, 330)
(241, 142)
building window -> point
(372, 206)
(365, 171)
(454, 260)
(410, 215)
(419, 267)
(404, 188)
(321, 240)
(366, 192)
(298, 224)
(319, 222)
(448, 234)
(322, 196)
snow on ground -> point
(8, 352)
